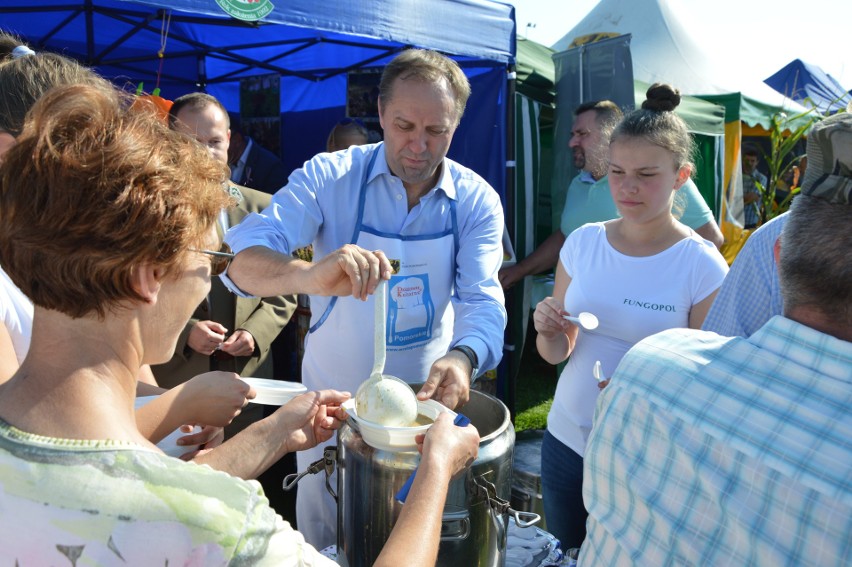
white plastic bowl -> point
(168, 444)
(395, 439)
(274, 392)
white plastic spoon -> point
(596, 371)
(584, 319)
(383, 399)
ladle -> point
(385, 400)
(584, 319)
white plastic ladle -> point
(584, 319)
(385, 400)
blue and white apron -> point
(339, 346)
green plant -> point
(783, 139)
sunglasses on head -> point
(219, 260)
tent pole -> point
(90, 33)
(506, 382)
(201, 83)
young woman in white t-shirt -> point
(639, 274)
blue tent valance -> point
(190, 45)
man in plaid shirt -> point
(709, 450)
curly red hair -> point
(91, 190)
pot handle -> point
(327, 464)
(533, 518)
(455, 526)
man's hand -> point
(240, 343)
(449, 380)
(206, 336)
(510, 275)
(312, 418)
(350, 270)
(214, 398)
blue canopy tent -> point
(805, 83)
(189, 45)
(313, 47)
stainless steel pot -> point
(477, 510)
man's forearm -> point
(544, 257)
(262, 272)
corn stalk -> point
(782, 142)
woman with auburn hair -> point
(107, 222)
(210, 399)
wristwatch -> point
(471, 356)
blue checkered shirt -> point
(750, 294)
(709, 451)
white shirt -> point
(319, 206)
(633, 297)
(16, 312)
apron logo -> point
(411, 310)
(246, 10)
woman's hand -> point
(312, 418)
(448, 443)
(214, 398)
(548, 318)
(208, 438)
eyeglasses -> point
(219, 260)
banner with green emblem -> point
(247, 10)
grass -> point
(534, 389)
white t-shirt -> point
(633, 297)
(16, 312)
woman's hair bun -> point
(661, 98)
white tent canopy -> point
(664, 50)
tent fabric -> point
(810, 85)
(701, 116)
(301, 38)
(527, 188)
(473, 28)
(310, 45)
(664, 50)
(536, 74)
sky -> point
(766, 35)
